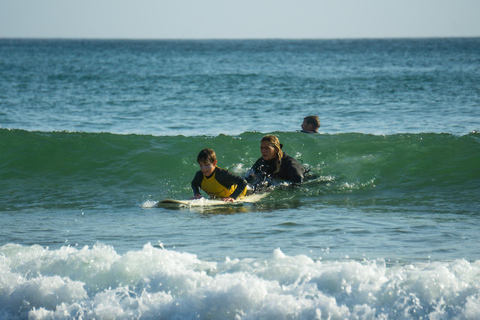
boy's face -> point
(207, 168)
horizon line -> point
(238, 39)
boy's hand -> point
(229, 199)
(197, 196)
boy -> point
(215, 181)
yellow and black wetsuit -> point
(220, 184)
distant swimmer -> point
(274, 164)
(215, 181)
(310, 124)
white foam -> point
(149, 204)
(153, 283)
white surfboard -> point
(203, 202)
(196, 203)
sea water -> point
(385, 227)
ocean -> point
(386, 226)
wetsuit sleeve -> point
(227, 179)
(197, 182)
(294, 170)
(253, 172)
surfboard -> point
(196, 203)
(207, 202)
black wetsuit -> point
(290, 170)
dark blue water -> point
(212, 87)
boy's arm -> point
(197, 182)
(228, 179)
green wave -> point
(73, 168)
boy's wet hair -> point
(207, 156)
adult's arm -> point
(294, 170)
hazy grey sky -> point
(218, 19)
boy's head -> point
(207, 156)
(207, 159)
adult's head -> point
(311, 124)
(271, 148)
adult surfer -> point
(310, 124)
(274, 164)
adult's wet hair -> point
(274, 142)
(313, 120)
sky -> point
(239, 19)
